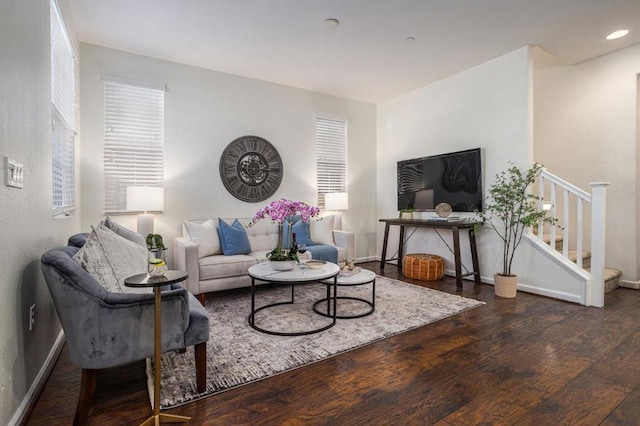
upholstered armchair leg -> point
(201, 366)
(202, 297)
(87, 390)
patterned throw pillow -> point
(233, 238)
(110, 258)
(108, 223)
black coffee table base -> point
(254, 311)
(328, 313)
(363, 277)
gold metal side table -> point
(144, 280)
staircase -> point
(567, 239)
(611, 275)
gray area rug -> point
(238, 354)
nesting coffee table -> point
(264, 272)
(361, 278)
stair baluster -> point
(597, 199)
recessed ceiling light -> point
(331, 23)
(617, 34)
(409, 39)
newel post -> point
(595, 293)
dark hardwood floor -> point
(527, 361)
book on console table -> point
(443, 219)
(349, 272)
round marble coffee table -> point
(300, 274)
(361, 278)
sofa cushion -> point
(205, 235)
(110, 258)
(233, 238)
(213, 267)
(263, 235)
(321, 230)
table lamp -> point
(146, 199)
(337, 201)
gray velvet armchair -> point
(105, 329)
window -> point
(63, 92)
(133, 145)
(331, 149)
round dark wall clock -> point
(251, 169)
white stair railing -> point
(572, 225)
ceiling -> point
(366, 57)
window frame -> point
(133, 149)
(332, 166)
(63, 115)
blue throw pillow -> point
(233, 238)
(303, 235)
(300, 228)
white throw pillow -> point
(206, 236)
(322, 230)
(110, 258)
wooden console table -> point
(455, 227)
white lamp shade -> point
(145, 198)
(336, 201)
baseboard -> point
(630, 284)
(575, 298)
(367, 259)
(38, 383)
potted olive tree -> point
(509, 210)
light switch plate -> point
(14, 173)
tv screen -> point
(454, 178)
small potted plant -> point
(406, 214)
(157, 255)
(509, 210)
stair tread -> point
(573, 254)
(547, 237)
(609, 273)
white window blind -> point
(331, 150)
(62, 115)
(133, 146)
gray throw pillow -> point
(110, 258)
(108, 223)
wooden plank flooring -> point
(526, 361)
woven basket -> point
(422, 266)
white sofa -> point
(198, 251)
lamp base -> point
(145, 224)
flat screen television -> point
(454, 178)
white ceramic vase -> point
(283, 265)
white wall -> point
(26, 222)
(585, 127)
(487, 106)
(204, 111)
